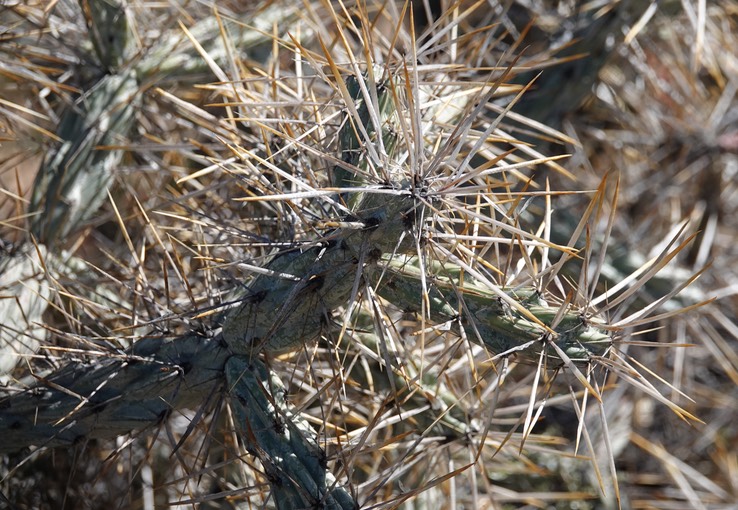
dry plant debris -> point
(334, 255)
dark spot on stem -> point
(372, 222)
(185, 367)
(316, 282)
(256, 297)
(279, 426)
(99, 408)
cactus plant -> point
(350, 286)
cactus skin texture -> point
(285, 444)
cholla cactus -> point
(406, 300)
